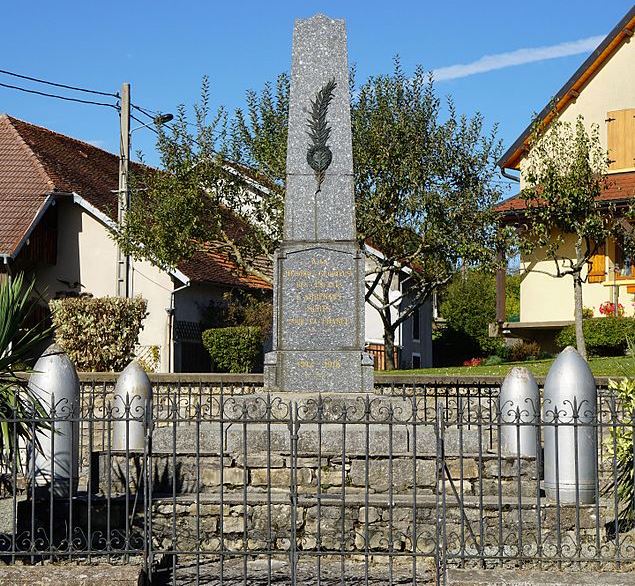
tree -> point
(468, 307)
(428, 175)
(564, 176)
(200, 197)
(423, 185)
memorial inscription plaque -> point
(319, 270)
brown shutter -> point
(630, 288)
(597, 270)
(621, 139)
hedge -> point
(235, 349)
(604, 336)
(99, 334)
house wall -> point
(542, 297)
(546, 298)
(87, 255)
(421, 346)
(611, 88)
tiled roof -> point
(24, 186)
(211, 265)
(621, 186)
(36, 163)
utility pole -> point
(124, 285)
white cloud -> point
(518, 57)
(97, 143)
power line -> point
(146, 111)
(66, 98)
(68, 87)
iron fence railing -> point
(234, 485)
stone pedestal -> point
(319, 269)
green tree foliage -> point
(423, 186)
(512, 297)
(99, 334)
(19, 345)
(604, 336)
(234, 349)
(468, 306)
(565, 174)
(199, 196)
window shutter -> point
(597, 270)
(621, 139)
(630, 288)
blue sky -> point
(164, 48)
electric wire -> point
(66, 98)
(62, 85)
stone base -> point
(319, 371)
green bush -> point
(604, 336)
(469, 306)
(235, 349)
(99, 334)
(524, 351)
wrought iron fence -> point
(232, 485)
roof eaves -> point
(512, 155)
(50, 198)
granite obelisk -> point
(319, 270)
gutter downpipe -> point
(507, 175)
(170, 311)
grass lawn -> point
(617, 366)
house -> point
(58, 201)
(58, 205)
(602, 90)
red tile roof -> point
(620, 187)
(36, 163)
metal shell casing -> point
(569, 423)
(55, 384)
(519, 407)
(132, 396)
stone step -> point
(525, 577)
(327, 439)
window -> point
(623, 262)
(416, 360)
(416, 324)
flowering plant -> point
(473, 362)
(608, 308)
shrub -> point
(604, 336)
(473, 362)
(235, 349)
(98, 333)
(587, 312)
(494, 360)
(524, 351)
(469, 305)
